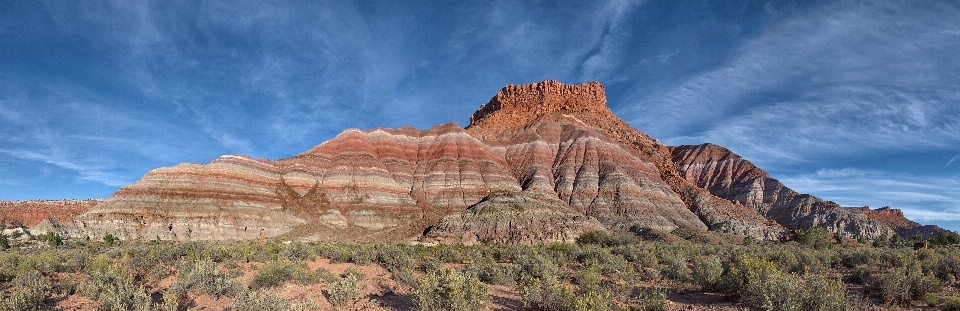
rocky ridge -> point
(730, 176)
(894, 219)
(31, 212)
(538, 163)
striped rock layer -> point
(538, 163)
(729, 176)
(31, 212)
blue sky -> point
(853, 101)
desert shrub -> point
(897, 259)
(304, 305)
(675, 269)
(4, 241)
(769, 289)
(275, 273)
(327, 276)
(859, 274)
(257, 300)
(945, 237)
(544, 293)
(449, 289)
(406, 277)
(647, 259)
(818, 292)
(808, 262)
(902, 285)
(536, 265)
(297, 251)
(363, 255)
(652, 299)
(114, 288)
(615, 265)
(815, 237)
(159, 272)
(53, 239)
(109, 239)
(487, 269)
(202, 277)
(592, 300)
(707, 272)
(344, 290)
(588, 278)
(29, 290)
(945, 267)
(931, 299)
(784, 259)
(858, 256)
(393, 258)
(430, 264)
(950, 303)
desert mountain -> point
(538, 163)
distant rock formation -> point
(894, 219)
(31, 212)
(539, 163)
(729, 176)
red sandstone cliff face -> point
(31, 212)
(539, 162)
(727, 175)
(622, 176)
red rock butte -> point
(539, 163)
(518, 105)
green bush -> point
(487, 269)
(707, 272)
(931, 299)
(275, 273)
(203, 277)
(653, 299)
(4, 241)
(114, 288)
(815, 237)
(588, 278)
(592, 301)
(297, 251)
(449, 289)
(945, 237)
(344, 290)
(950, 303)
(535, 264)
(761, 286)
(109, 239)
(902, 285)
(675, 269)
(859, 274)
(256, 300)
(406, 277)
(29, 290)
(544, 293)
(53, 239)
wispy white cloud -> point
(94, 172)
(839, 79)
(953, 159)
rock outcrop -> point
(511, 218)
(538, 163)
(628, 179)
(729, 176)
(894, 219)
(31, 212)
